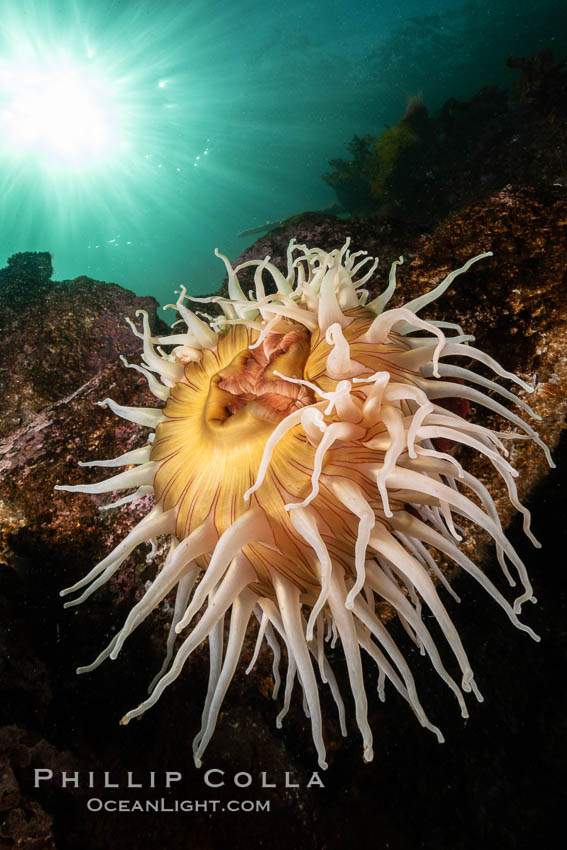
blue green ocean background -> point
(138, 136)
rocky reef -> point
(56, 335)
(496, 780)
(424, 166)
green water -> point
(136, 137)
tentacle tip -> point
(323, 764)
(278, 723)
(468, 683)
(368, 754)
(178, 629)
(125, 720)
(70, 604)
(80, 670)
(198, 762)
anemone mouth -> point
(301, 473)
(248, 387)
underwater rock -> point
(423, 167)
(367, 183)
(23, 267)
(540, 80)
(55, 335)
(382, 237)
(38, 455)
(516, 304)
(26, 822)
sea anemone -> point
(303, 472)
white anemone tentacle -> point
(138, 477)
(406, 688)
(383, 542)
(184, 589)
(136, 456)
(149, 417)
(446, 389)
(347, 631)
(305, 523)
(423, 300)
(216, 649)
(382, 325)
(352, 497)
(241, 610)
(156, 388)
(250, 527)
(388, 590)
(168, 372)
(198, 329)
(288, 600)
(155, 523)
(177, 564)
(237, 577)
(417, 528)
